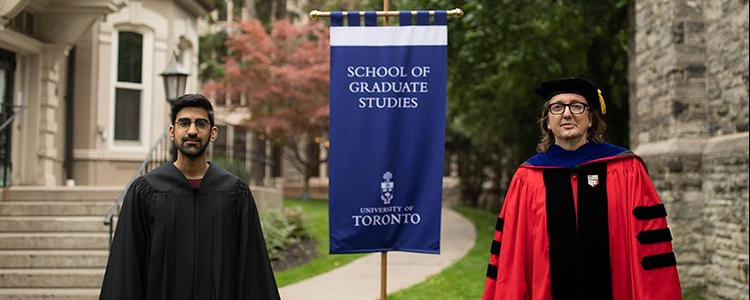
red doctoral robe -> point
(594, 230)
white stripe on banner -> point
(390, 36)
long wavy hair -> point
(595, 133)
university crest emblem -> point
(386, 188)
(593, 180)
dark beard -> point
(190, 154)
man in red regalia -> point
(581, 219)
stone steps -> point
(33, 193)
(53, 242)
(55, 208)
(31, 259)
(52, 223)
(51, 278)
(49, 293)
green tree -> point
(498, 52)
(213, 51)
(284, 75)
(343, 5)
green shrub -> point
(295, 216)
(231, 164)
(694, 294)
(281, 229)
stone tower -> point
(689, 121)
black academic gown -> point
(176, 242)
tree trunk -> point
(306, 187)
(252, 13)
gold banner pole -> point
(386, 8)
(384, 254)
(453, 13)
(383, 274)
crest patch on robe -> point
(593, 180)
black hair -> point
(192, 100)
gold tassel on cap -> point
(601, 102)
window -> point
(7, 67)
(239, 147)
(24, 22)
(129, 86)
(277, 170)
(223, 12)
(127, 103)
(220, 143)
(129, 57)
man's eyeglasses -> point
(200, 124)
(575, 108)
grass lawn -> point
(465, 278)
(462, 280)
(317, 220)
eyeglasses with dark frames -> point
(575, 108)
(200, 124)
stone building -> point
(689, 121)
(87, 76)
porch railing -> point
(10, 119)
(159, 153)
(6, 118)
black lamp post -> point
(175, 79)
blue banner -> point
(387, 134)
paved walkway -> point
(360, 279)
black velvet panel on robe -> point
(578, 233)
(176, 242)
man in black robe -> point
(189, 230)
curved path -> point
(360, 279)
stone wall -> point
(689, 121)
(725, 173)
(267, 198)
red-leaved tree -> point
(284, 76)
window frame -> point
(144, 87)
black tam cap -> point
(575, 85)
